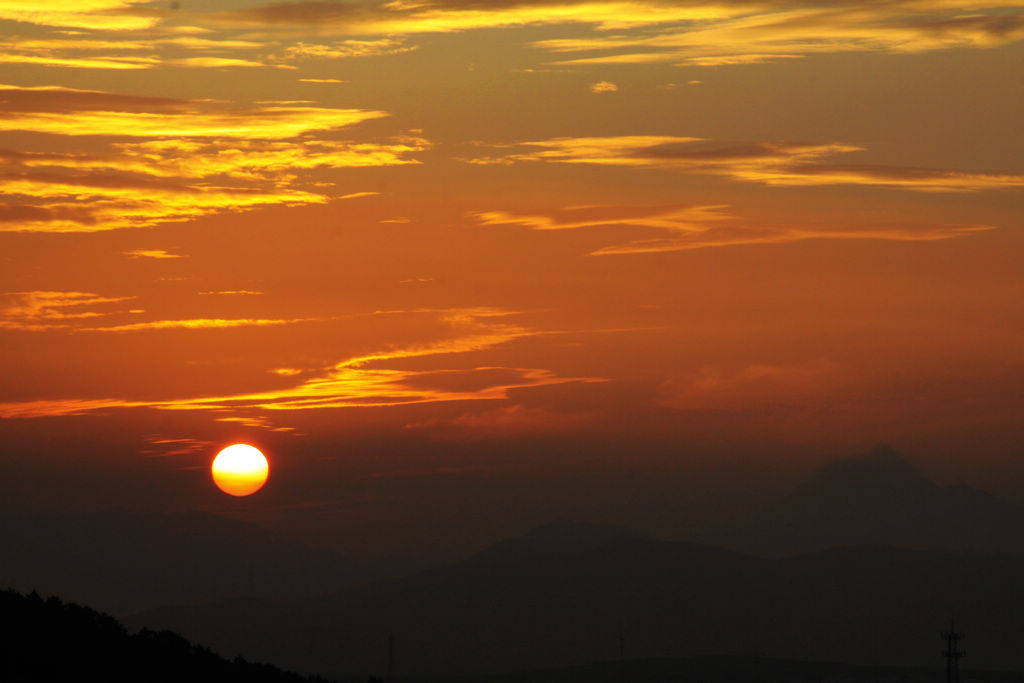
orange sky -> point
(748, 225)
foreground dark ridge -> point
(721, 669)
(563, 595)
(50, 640)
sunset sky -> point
(462, 266)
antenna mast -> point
(953, 653)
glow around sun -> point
(239, 470)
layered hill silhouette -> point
(49, 640)
(564, 595)
(125, 561)
(863, 562)
(881, 498)
(754, 669)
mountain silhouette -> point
(882, 498)
(723, 669)
(50, 640)
(524, 604)
(126, 561)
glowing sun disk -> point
(239, 470)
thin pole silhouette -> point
(391, 656)
(953, 653)
(622, 658)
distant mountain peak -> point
(882, 465)
(557, 538)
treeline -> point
(51, 640)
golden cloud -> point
(399, 17)
(151, 253)
(115, 202)
(174, 118)
(771, 163)
(108, 62)
(257, 155)
(345, 49)
(111, 15)
(603, 86)
(197, 324)
(41, 308)
(794, 29)
(696, 32)
(80, 53)
(700, 227)
(361, 381)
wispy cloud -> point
(373, 379)
(603, 86)
(158, 446)
(770, 163)
(408, 17)
(344, 49)
(151, 253)
(66, 111)
(42, 309)
(196, 324)
(256, 156)
(111, 15)
(700, 227)
(151, 53)
(79, 312)
(232, 292)
(505, 422)
(764, 384)
(696, 32)
(788, 30)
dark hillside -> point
(50, 640)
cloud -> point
(218, 63)
(151, 253)
(111, 15)
(381, 378)
(400, 17)
(514, 421)
(122, 201)
(788, 30)
(90, 53)
(693, 32)
(158, 446)
(41, 308)
(232, 292)
(701, 227)
(66, 111)
(345, 49)
(256, 156)
(603, 86)
(320, 80)
(197, 324)
(770, 386)
(261, 158)
(107, 62)
(770, 163)
(41, 311)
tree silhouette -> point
(50, 640)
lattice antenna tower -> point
(952, 652)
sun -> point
(239, 470)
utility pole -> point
(391, 656)
(622, 658)
(953, 653)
